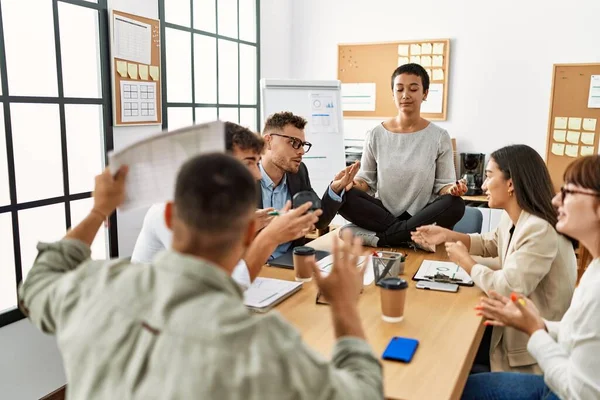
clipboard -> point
(443, 272)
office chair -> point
(471, 222)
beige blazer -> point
(538, 263)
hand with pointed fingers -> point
(344, 180)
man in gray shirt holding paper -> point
(178, 329)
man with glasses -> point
(284, 174)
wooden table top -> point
(445, 324)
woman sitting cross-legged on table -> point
(535, 260)
(408, 163)
(568, 351)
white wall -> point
(501, 56)
(276, 23)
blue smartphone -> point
(400, 349)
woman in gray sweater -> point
(407, 177)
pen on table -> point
(275, 213)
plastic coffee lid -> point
(393, 283)
(304, 251)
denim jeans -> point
(507, 386)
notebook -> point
(265, 293)
(450, 270)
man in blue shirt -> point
(284, 174)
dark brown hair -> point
(412, 69)
(277, 121)
(584, 172)
(242, 138)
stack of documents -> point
(265, 293)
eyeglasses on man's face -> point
(564, 192)
(295, 142)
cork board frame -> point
(569, 99)
(375, 62)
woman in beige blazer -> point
(535, 260)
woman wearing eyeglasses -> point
(567, 350)
(535, 260)
(408, 164)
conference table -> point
(448, 330)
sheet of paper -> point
(154, 72)
(326, 264)
(403, 50)
(358, 96)
(143, 69)
(589, 124)
(571, 150)
(558, 149)
(415, 49)
(594, 96)
(323, 113)
(588, 138)
(575, 123)
(559, 135)
(122, 68)
(403, 60)
(573, 137)
(415, 59)
(560, 122)
(438, 74)
(438, 61)
(435, 99)
(266, 291)
(426, 61)
(438, 48)
(426, 48)
(587, 150)
(430, 268)
(132, 70)
(132, 40)
(155, 161)
(139, 102)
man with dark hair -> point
(284, 174)
(178, 329)
(247, 147)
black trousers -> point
(369, 213)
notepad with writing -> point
(432, 270)
(265, 293)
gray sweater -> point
(407, 170)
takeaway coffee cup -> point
(393, 296)
(304, 257)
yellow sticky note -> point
(574, 123)
(573, 137)
(154, 72)
(430, 73)
(438, 48)
(438, 61)
(143, 71)
(415, 49)
(560, 122)
(559, 135)
(587, 150)
(403, 50)
(558, 149)
(587, 138)
(589, 124)
(415, 59)
(438, 74)
(426, 48)
(132, 70)
(122, 68)
(571, 150)
(426, 61)
(403, 60)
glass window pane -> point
(179, 117)
(37, 149)
(248, 118)
(205, 15)
(8, 280)
(79, 210)
(179, 66)
(206, 114)
(4, 188)
(248, 78)
(227, 13)
(84, 145)
(248, 20)
(80, 51)
(228, 72)
(229, 114)
(205, 69)
(178, 12)
(40, 224)
(29, 44)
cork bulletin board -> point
(365, 71)
(574, 121)
(135, 52)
